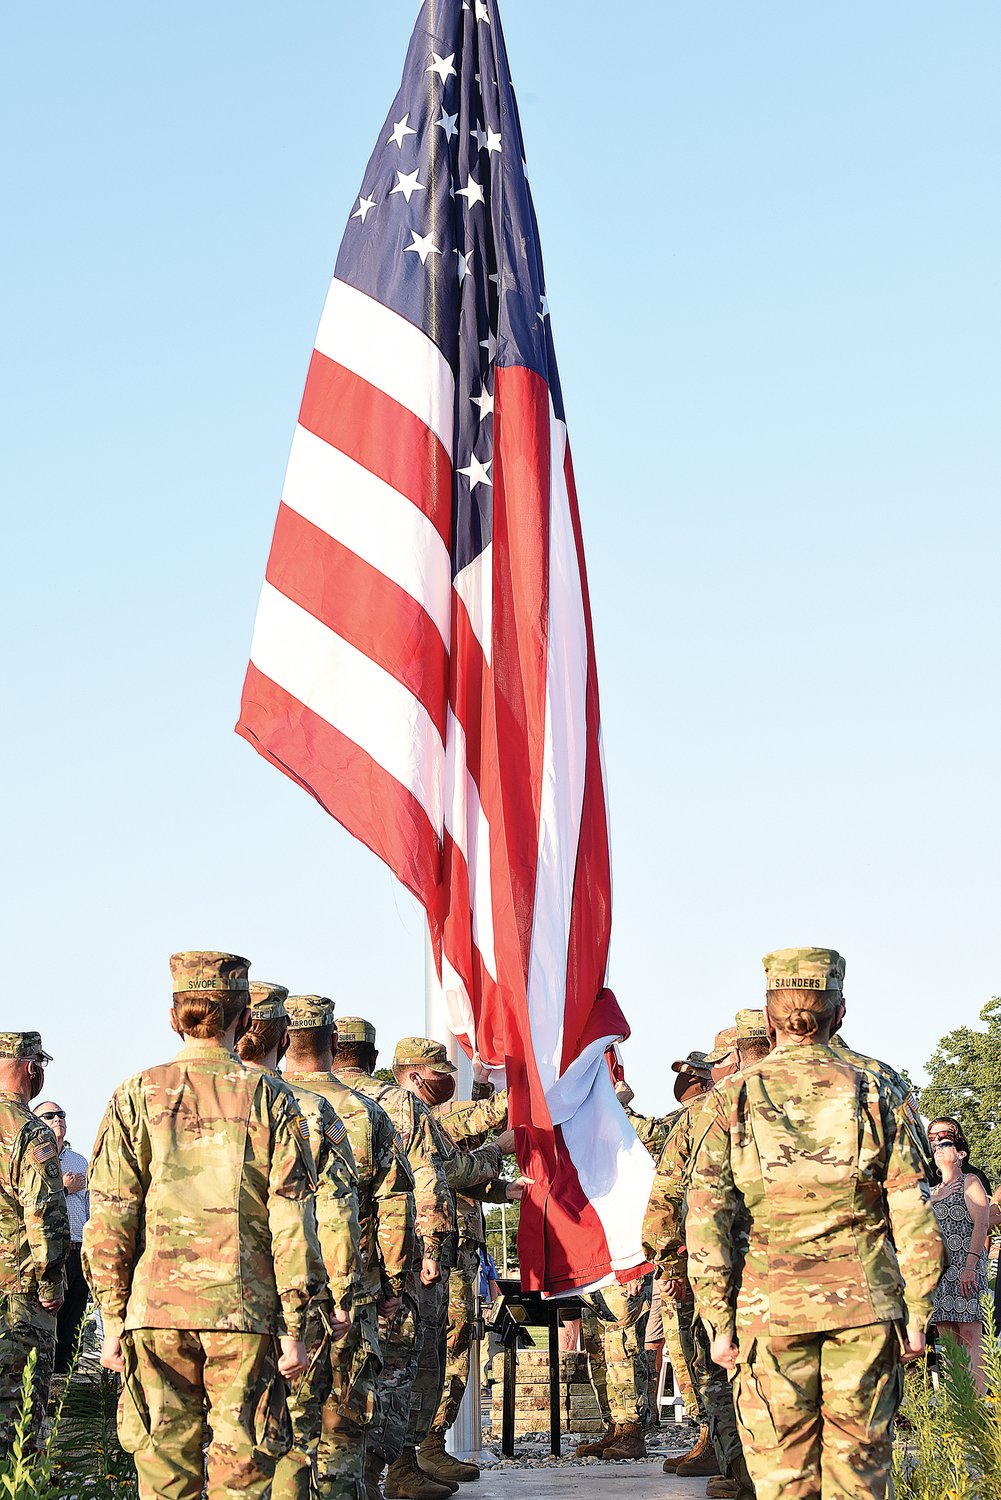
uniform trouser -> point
(716, 1395)
(815, 1412)
(670, 1321)
(398, 1341)
(685, 1311)
(24, 1325)
(459, 1339)
(617, 1358)
(432, 1336)
(330, 1405)
(180, 1385)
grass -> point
(951, 1446)
(80, 1457)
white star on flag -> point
(479, 136)
(544, 307)
(491, 141)
(476, 472)
(481, 12)
(365, 207)
(472, 192)
(485, 402)
(407, 184)
(490, 345)
(400, 131)
(447, 123)
(423, 245)
(443, 66)
(465, 256)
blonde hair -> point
(803, 1013)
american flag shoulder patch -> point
(43, 1153)
(336, 1133)
(303, 1128)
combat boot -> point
(405, 1481)
(629, 1442)
(373, 1473)
(738, 1487)
(597, 1448)
(433, 1459)
(700, 1446)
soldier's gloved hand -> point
(723, 1351)
(505, 1141)
(340, 1323)
(111, 1354)
(430, 1271)
(293, 1358)
(389, 1306)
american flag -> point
(423, 661)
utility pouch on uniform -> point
(133, 1413)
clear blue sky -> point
(772, 237)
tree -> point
(964, 1080)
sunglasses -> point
(53, 1114)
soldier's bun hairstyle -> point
(208, 1016)
(262, 1037)
(803, 1012)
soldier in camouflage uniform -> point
(296, 1476)
(421, 1067)
(468, 1124)
(716, 1453)
(202, 1248)
(385, 1189)
(34, 1231)
(806, 1301)
(405, 1332)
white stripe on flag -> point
(387, 351)
(475, 587)
(614, 1168)
(467, 823)
(349, 691)
(563, 772)
(371, 519)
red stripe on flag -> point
(344, 779)
(384, 437)
(362, 606)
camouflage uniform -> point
(385, 1205)
(664, 1239)
(340, 1244)
(406, 1335)
(467, 1123)
(613, 1328)
(34, 1243)
(908, 1103)
(817, 1154)
(200, 1248)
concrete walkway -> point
(635, 1481)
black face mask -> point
(439, 1089)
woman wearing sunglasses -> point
(962, 1210)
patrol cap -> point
(695, 1062)
(267, 1001)
(26, 1046)
(422, 1052)
(355, 1029)
(804, 969)
(724, 1042)
(751, 1025)
(304, 1011)
(209, 973)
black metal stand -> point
(515, 1310)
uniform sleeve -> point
(469, 1169)
(663, 1238)
(119, 1182)
(295, 1245)
(337, 1219)
(650, 1129)
(435, 1216)
(915, 1233)
(393, 1200)
(471, 1121)
(713, 1203)
(43, 1206)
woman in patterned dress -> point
(962, 1210)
